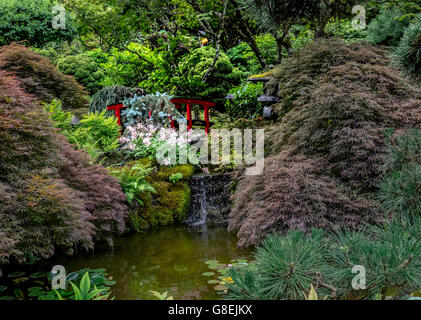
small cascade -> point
(210, 199)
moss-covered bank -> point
(170, 203)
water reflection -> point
(170, 259)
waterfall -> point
(210, 199)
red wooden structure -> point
(178, 104)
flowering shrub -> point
(144, 139)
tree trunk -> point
(246, 35)
(280, 44)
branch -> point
(218, 43)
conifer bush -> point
(286, 267)
(195, 65)
(407, 55)
(399, 191)
(387, 28)
(84, 69)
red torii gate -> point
(178, 102)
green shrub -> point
(244, 58)
(387, 28)
(133, 181)
(390, 253)
(407, 55)
(194, 66)
(244, 103)
(343, 28)
(112, 95)
(142, 66)
(30, 21)
(176, 177)
(96, 133)
(84, 69)
(288, 266)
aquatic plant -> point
(161, 296)
(220, 273)
(84, 291)
(37, 286)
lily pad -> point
(7, 298)
(36, 293)
(3, 288)
(16, 274)
(20, 280)
(220, 287)
(208, 274)
(38, 275)
(213, 281)
(212, 262)
(181, 268)
(19, 294)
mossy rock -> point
(170, 203)
(138, 223)
(164, 173)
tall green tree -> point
(30, 21)
(278, 16)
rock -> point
(267, 112)
(266, 98)
(75, 121)
(210, 199)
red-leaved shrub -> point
(51, 196)
(42, 79)
(325, 154)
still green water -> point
(169, 259)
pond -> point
(169, 259)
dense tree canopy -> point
(31, 21)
